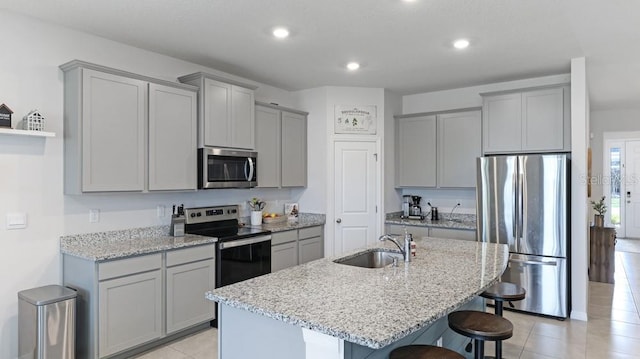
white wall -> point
(321, 102)
(31, 170)
(446, 199)
(579, 212)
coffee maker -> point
(415, 210)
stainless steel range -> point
(241, 252)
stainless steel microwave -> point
(226, 168)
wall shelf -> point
(10, 131)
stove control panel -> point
(210, 214)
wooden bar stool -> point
(503, 292)
(423, 352)
(480, 327)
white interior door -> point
(355, 195)
(632, 188)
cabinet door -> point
(459, 144)
(242, 121)
(294, 150)
(543, 120)
(310, 249)
(130, 311)
(186, 286)
(284, 256)
(217, 113)
(452, 234)
(502, 123)
(268, 146)
(172, 138)
(113, 132)
(416, 151)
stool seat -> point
(423, 352)
(504, 291)
(480, 325)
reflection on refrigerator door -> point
(544, 279)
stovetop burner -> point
(220, 222)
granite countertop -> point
(304, 220)
(457, 221)
(372, 307)
(103, 246)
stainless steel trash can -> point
(47, 323)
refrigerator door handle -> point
(542, 263)
(514, 246)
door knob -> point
(339, 220)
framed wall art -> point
(351, 119)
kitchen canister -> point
(256, 218)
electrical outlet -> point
(160, 211)
(439, 342)
(94, 215)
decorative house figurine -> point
(5, 116)
(33, 121)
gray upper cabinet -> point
(459, 144)
(281, 143)
(126, 132)
(113, 132)
(268, 146)
(416, 151)
(172, 138)
(225, 111)
(536, 120)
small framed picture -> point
(291, 210)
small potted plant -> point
(257, 206)
(601, 208)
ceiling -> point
(402, 46)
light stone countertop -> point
(459, 221)
(372, 307)
(103, 246)
(304, 220)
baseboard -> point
(579, 315)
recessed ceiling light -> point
(353, 66)
(461, 44)
(280, 32)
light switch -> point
(16, 220)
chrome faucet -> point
(406, 252)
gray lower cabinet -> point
(117, 129)
(310, 244)
(124, 304)
(529, 120)
(281, 143)
(190, 273)
(419, 232)
(130, 311)
(297, 246)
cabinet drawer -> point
(192, 254)
(122, 267)
(283, 237)
(310, 232)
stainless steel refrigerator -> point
(523, 201)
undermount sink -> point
(376, 258)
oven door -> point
(221, 168)
(242, 259)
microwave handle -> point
(249, 162)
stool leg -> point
(479, 349)
(498, 306)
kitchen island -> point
(327, 310)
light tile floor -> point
(613, 329)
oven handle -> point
(244, 242)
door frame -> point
(608, 139)
(331, 213)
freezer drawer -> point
(544, 279)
